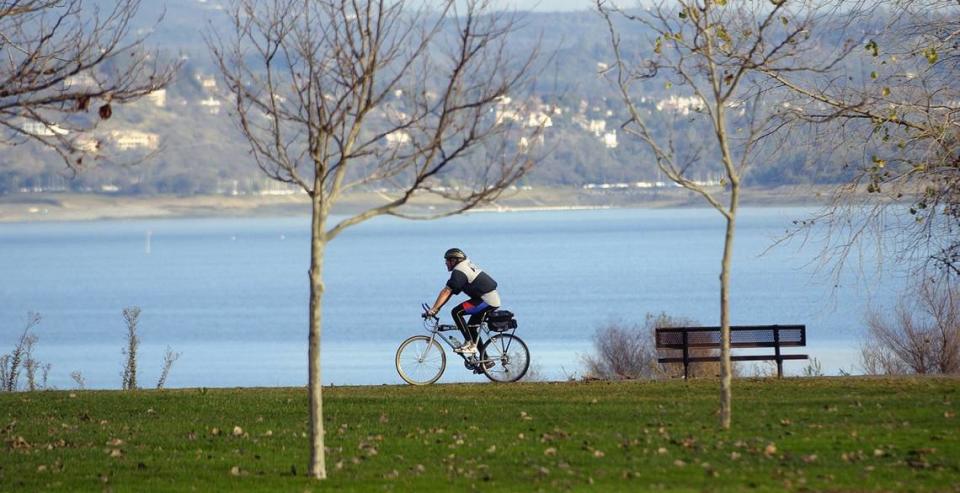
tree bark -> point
(318, 467)
(726, 368)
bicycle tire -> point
(420, 360)
(509, 355)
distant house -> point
(610, 139)
(158, 98)
(597, 127)
(212, 105)
(41, 129)
(397, 138)
(86, 143)
(681, 105)
(134, 139)
(524, 144)
(209, 83)
(80, 81)
(539, 119)
(504, 114)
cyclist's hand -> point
(429, 314)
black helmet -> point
(455, 254)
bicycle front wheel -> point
(420, 360)
(505, 358)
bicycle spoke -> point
(509, 357)
(420, 360)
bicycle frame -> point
(434, 327)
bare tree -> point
(712, 51)
(169, 358)
(64, 65)
(12, 363)
(629, 351)
(337, 96)
(896, 107)
(923, 336)
(131, 316)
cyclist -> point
(466, 277)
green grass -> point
(836, 434)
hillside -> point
(195, 147)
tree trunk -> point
(726, 368)
(318, 467)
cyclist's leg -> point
(477, 317)
(457, 314)
(474, 308)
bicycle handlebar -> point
(426, 309)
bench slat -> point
(741, 336)
(794, 335)
(751, 357)
(732, 345)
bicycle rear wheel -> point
(420, 360)
(509, 356)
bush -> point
(629, 351)
(21, 359)
(922, 336)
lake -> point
(230, 294)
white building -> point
(41, 129)
(504, 114)
(86, 143)
(211, 104)
(80, 81)
(209, 83)
(597, 127)
(397, 138)
(158, 98)
(682, 105)
(134, 139)
(610, 139)
(539, 119)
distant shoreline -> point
(56, 207)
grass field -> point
(828, 434)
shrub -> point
(21, 359)
(922, 336)
(629, 351)
(131, 316)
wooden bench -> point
(744, 336)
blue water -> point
(230, 295)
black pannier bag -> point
(501, 320)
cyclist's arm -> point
(442, 299)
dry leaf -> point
(550, 452)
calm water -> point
(230, 294)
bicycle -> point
(502, 357)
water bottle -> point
(454, 341)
